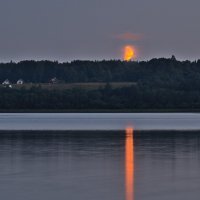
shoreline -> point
(101, 111)
(58, 132)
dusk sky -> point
(65, 30)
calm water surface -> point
(99, 121)
(94, 165)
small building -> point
(54, 80)
(20, 82)
(6, 82)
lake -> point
(100, 156)
(99, 121)
(100, 165)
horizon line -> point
(97, 60)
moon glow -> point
(129, 53)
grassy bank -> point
(67, 86)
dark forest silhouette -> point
(158, 84)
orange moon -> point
(129, 53)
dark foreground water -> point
(100, 165)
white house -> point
(20, 82)
(54, 80)
(6, 82)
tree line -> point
(160, 84)
(136, 97)
(156, 71)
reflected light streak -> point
(129, 164)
